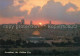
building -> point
(22, 21)
(19, 23)
(35, 39)
(31, 23)
(49, 22)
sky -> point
(58, 11)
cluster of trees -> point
(21, 43)
(69, 43)
(63, 44)
(76, 39)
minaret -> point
(49, 22)
(22, 21)
(31, 22)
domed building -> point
(35, 38)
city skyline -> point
(33, 22)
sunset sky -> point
(40, 11)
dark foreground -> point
(48, 51)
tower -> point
(31, 22)
(49, 22)
(22, 21)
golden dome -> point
(36, 33)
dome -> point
(36, 33)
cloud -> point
(56, 11)
(75, 2)
(5, 3)
(35, 13)
(29, 4)
(71, 9)
(19, 7)
(11, 11)
(40, 10)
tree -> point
(76, 39)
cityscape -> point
(39, 28)
(22, 36)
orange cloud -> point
(75, 2)
(16, 3)
(28, 5)
(64, 2)
(71, 9)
